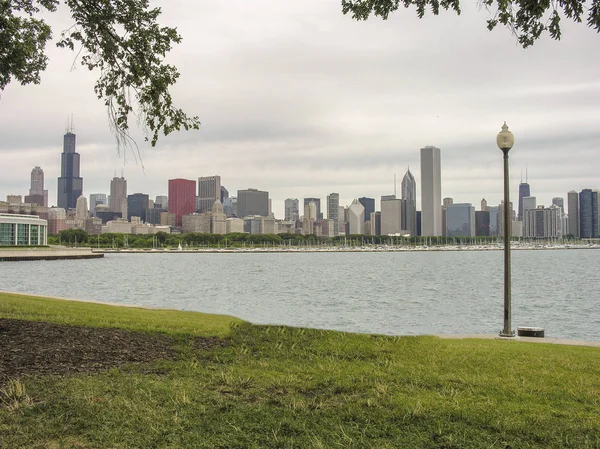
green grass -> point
(79, 313)
(299, 388)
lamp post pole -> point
(505, 142)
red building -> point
(182, 198)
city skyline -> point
(306, 102)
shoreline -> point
(332, 249)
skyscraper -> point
(118, 196)
(209, 191)
(292, 211)
(573, 206)
(70, 183)
(333, 211)
(588, 214)
(391, 215)
(182, 198)
(431, 192)
(460, 220)
(356, 218)
(524, 191)
(409, 203)
(37, 194)
(137, 206)
(81, 209)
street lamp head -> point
(505, 139)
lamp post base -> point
(511, 334)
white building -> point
(199, 223)
(234, 225)
(218, 219)
(356, 218)
(542, 222)
(431, 192)
(22, 230)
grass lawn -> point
(273, 386)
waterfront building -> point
(391, 215)
(292, 211)
(524, 191)
(118, 196)
(482, 223)
(369, 205)
(218, 224)
(182, 198)
(356, 218)
(118, 226)
(542, 222)
(138, 205)
(317, 202)
(588, 214)
(252, 224)
(92, 225)
(310, 211)
(167, 219)
(333, 212)
(431, 192)
(252, 202)
(460, 220)
(268, 225)
(209, 191)
(23, 230)
(409, 203)
(37, 194)
(70, 182)
(573, 210)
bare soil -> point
(31, 347)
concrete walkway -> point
(13, 255)
(555, 341)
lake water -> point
(399, 293)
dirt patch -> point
(31, 347)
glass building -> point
(22, 230)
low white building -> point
(22, 230)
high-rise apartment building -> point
(317, 203)
(37, 194)
(573, 210)
(559, 202)
(292, 211)
(431, 192)
(542, 222)
(209, 191)
(333, 211)
(588, 214)
(369, 205)
(409, 203)
(391, 215)
(81, 209)
(70, 183)
(524, 191)
(182, 198)
(118, 196)
(252, 202)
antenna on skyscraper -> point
(394, 184)
(526, 176)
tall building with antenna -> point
(70, 182)
(524, 191)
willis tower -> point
(70, 184)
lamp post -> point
(505, 141)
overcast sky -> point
(297, 99)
